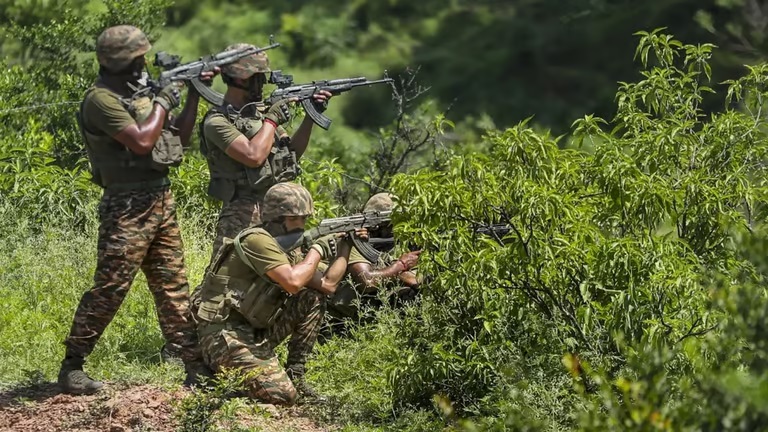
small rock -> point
(271, 409)
(148, 413)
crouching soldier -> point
(255, 295)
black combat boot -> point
(170, 356)
(73, 380)
(305, 391)
(198, 375)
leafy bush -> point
(607, 249)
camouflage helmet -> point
(379, 202)
(286, 199)
(117, 46)
(246, 66)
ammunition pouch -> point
(260, 302)
(228, 176)
(167, 152)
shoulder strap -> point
(239, 247)
(201, 128)
(79, 114)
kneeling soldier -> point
(254, 296)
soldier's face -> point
(256, 86)
(137, 67)
(293, 223)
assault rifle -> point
(496, 231)
(304, 92)
(346, 224)
(174, 70)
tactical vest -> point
(111, 162)
(258, 300)
(228, 175)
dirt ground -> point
(41, 408)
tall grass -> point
(44, 272)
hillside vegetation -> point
(630, 293)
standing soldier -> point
(247, 149)
(254, 296)
(130, 152)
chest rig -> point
(229, 176)
(107, 155)
(257, 299)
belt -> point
(142, 185)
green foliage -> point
(212, 409)
(630, 288)
(606, 249)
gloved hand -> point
(169, 98)
(326, 247)
(280, 112)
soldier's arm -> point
(300, 139)
(409, 279)
(293, 278)
(140, 138)
(369, 278)
(253, 153)
(104, 112)
(327, 282)
(185, 122)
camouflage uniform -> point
(240, 188)
(236, 330)
(137, 213)
(138, 230)
(237, 345)
(345, 303)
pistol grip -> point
(212, 96)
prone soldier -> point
(369, 274)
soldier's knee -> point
(286, 396)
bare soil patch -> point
(41, 408)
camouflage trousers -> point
(138, 230)
(236, 215)
(235, 345)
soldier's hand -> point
(207, 77)
(409, 259)
(361, 233)
(320, 100)
(326, 247)
(280, 112)
(169, 98)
